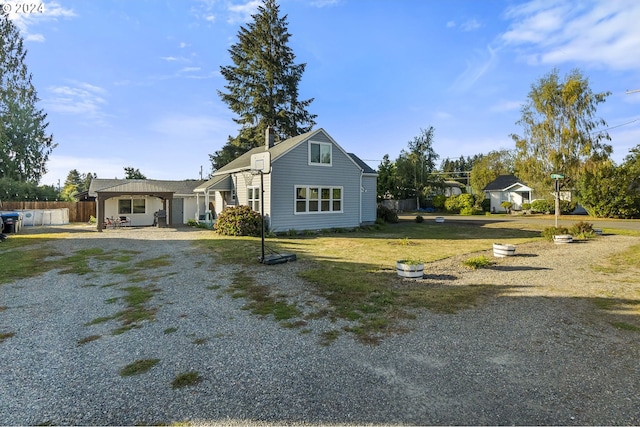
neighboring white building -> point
(507, 188)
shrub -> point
(549, 232)
(438, 201)
(582, 230)
(388, 215)
(486, 205)
(526, 206)
(542, 206)
(238, 221)
(192, 222)
(419, 219)
(566, 207)
(506, 206)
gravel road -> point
(540, 353)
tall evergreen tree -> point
(262, 85)
(24, 143)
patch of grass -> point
(328, 337)
(623, 260)
(6, 335)
(200, 341)
(78, 263)
(170, 330)
(161, 261)
(138, 367)
(28, 259)
(478, 262)
(89, 339)
(135, 312)
(626, 326)
(186, 379)
(214, 287)
(261, 301)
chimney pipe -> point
(269, 138)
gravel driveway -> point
(533, 355)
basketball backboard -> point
(261, 162)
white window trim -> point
(320, 144)
(251, 201)
(319, 188)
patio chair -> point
(125, 221)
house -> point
(312, 183)
(139, 199)
(507, 188)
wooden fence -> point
(78, 211)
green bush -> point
(582, 230)
(506, 206)
(419, 219)
(566, 207)
(438, 201)
(549, 232)
(192, 222)
(238, 221)
(485, 204)
(542, 206)
(388, 215)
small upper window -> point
(320, 153)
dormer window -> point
(320, 153)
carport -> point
(133, 188)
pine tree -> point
(24, 143)
(262, 85)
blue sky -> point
(134, 83)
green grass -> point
(355, 271)
(477, 262)
(89, 339)
(626, 326)
(186, 379)
(261, 301)
(6, 336)
(138, 367)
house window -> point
(129, 206)
(320, 153)
(318, 199)
(253, 198)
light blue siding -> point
(292, 169)
(369, 199)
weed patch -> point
(89, 339)
(261, 302)
(477, 262)
(6, 336)
(186, 379)
(138, 367)
(626, 326)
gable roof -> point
(503, 182)
(278, 150)
(150, 186)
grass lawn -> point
(355, 271)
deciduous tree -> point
(559, 130)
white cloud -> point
(192, 129)
(476, 68)
(242, 12)
(324, 3)
(79, 98)
(470, 25)
(26, 21)
(451, 24)
(601, 33)
(505, 105)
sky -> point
(135, 83)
